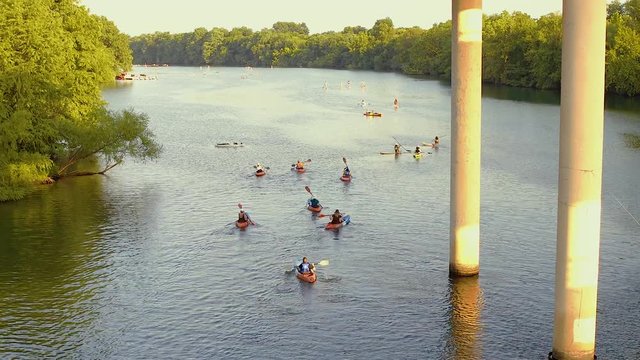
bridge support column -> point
(579, 178)
(466, 91)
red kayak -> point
(242, 224)
(300, 170)
(345, 178)
(307, 277)
(261, 173)
(316, 209)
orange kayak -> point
(345, 178)
(307, 277)
(242, 224)
(261, 173)
(345, 220)
(300, 170)
(316, 209)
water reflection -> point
(465, 305)
(49, 268)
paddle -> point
(405, 149)
(247, 215)
(309, 191)
(344, 160)
(306, 161)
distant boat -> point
(372, 113)
(229, 144)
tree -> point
(53, 60)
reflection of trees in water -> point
(632, 140)
(49, 267)
(465, 305)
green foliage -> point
(111, 137)
(54, 57)
(517, 49)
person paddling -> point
(306, 267)
(418, 151)
(259, 168)
(396, 149)
(346, 172)
(336, 217)
(299, 165)
(436, 141)
(243, 217)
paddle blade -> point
(344, 160)
(308, 190)
(324, 262)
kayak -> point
(391, 153)
(300, 170)
(307, 277)
(314, 209)
(345, 178)
(242, 225)
(261, 173)
(372, 113)
(230, 144)
(345, 220)
(417, 156)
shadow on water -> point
(465, 307)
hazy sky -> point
(136, 17)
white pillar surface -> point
(579, 178)
(466, 92)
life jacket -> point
(304, 268)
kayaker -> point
(396, 149)
(336, 218)
(313, 202)
(395, 102)
(436, 141)
(418, 151)
(346, 172)
(299, 165)
(242, 216)
(259, 167)
(306, 266)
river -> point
(146, 263)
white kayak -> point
(229, 144)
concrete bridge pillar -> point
(579, 178)
(466, 91)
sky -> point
(135, 17)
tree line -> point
(518, 50)
(54, 59)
